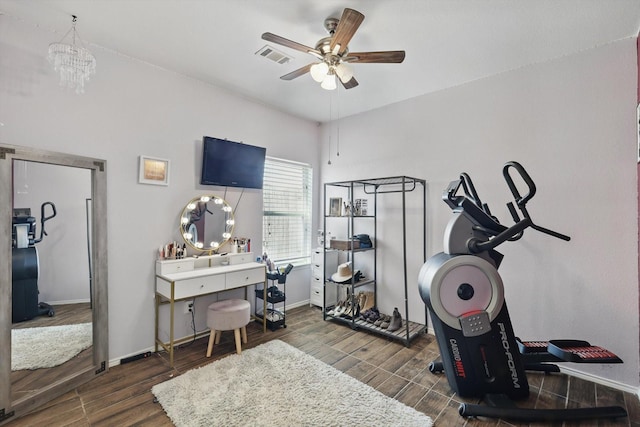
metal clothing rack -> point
(375, 187)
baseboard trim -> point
(152, 349)
(600, 380)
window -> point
(286, 216)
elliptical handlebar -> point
(44, 219)
(515, 231)
(521, 201)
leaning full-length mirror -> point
(53, 272)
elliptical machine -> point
(25, 264)
(480, 354)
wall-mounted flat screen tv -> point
(232, 164)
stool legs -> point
(236, 334)
(212, 338)
(240, 335)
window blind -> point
(286, 217)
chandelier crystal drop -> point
(74, 63)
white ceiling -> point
(447, 42)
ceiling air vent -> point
(274, 55)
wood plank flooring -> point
(122, 397)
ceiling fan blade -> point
(297, 73)
(390, 56)
(350, 84)
(347, 27)
(291, 44)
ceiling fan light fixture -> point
(319, 71)
(344, 72)
(329, 82)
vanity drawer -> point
(245, 277)
(191, 287)
(174, 266)
(241, 258)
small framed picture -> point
(335, 206)
(153, 171)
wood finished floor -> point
(122, 397)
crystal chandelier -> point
(75, 63)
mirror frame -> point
(9, 409)
(228, 228)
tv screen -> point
(228, 163)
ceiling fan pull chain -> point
(330, 128)
(338, 127)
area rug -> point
(275, 384)
(48, 346)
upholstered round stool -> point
(228, 315)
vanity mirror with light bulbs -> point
(29, 179)
(206, 225)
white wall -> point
(131, 109)
(571, 123)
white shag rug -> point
(275, 384)
(48, 346)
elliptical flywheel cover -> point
(454, 285)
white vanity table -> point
(192, 277)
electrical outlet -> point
(188, 307)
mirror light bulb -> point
(217, 201)
(205, 199)
(230, 222)
(226, 235)
(188, 236)
(215, 244)
(184, 220)
(227, 208)
(191, 206)
(319, 71)
(199, 245)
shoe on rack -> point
(334, 310)
(362, 299)
(356, 310)
(364, 314)
(385, 322)
(396, 321)
(374, 315)
(369, 301)
(381, 319)
(342, 309)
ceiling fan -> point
(333, 52)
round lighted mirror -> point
(207, 223)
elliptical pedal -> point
(526, 347)
(581, 352)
